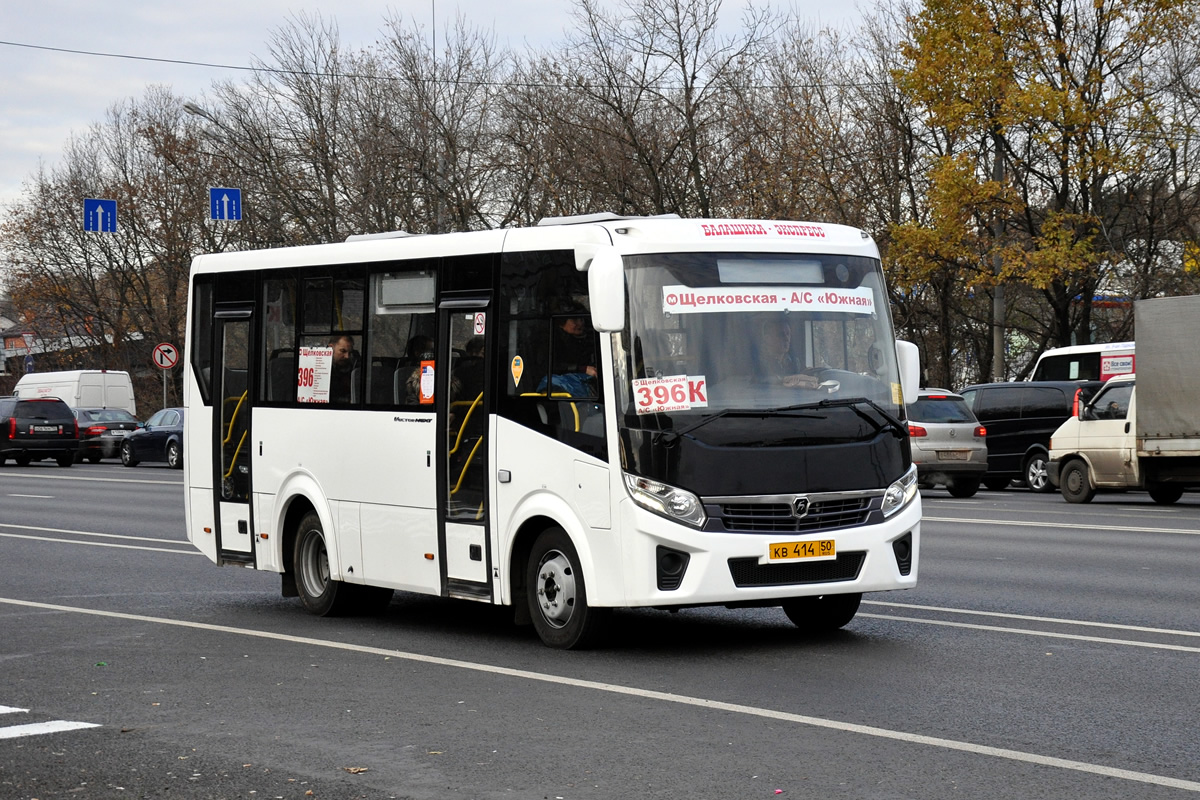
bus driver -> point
(778, 364)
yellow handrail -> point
(237, 450)
(466, 419)
(233, 418)
(466, 464)
(574, 408)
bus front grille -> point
(779, 517)
(748, 572)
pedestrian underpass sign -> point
(99, 215)
(225, 203)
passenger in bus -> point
(574, 347)
(468, 371)
(573, 361)
(341, 378)
(777, 362)
(419, 349)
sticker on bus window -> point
(426, 382)
(715, 299)
(313, 370)
(518, 367)
(674, 393)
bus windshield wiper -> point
(855, 404)
(669, 436)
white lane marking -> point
(105, 544)
(1076, 525)
(12, 710)
(89, 533)
(1024, 632)
(1027, 618)
(39, 728)
(35, 496)
(46, 477)
(650, 694)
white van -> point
(81, 388)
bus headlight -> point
(901, 492)
(668, 501)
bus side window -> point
(279, 340)
(548, 351)
(202, 333)
(401, 325)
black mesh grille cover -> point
(748, 572)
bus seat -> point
(281, 377)
(381, 384)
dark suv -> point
(35, 428)
(1019, 418)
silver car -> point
(948, 443)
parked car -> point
(101, 431)
(1020, 417)
(37, 428)
(948, 444)
(160, 439)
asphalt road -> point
(1050, 651)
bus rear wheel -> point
(557, 595)
(320, 594)
(822, 613)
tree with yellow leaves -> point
(1060, 102)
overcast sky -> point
(45, 95)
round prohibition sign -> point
(165, 355)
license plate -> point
(45, 429)
(118, 433)
(815, 550)
(954, 455)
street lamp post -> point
(197, 111)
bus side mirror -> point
(606, 289)
(909, 358)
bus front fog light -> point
(672, 564)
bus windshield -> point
(720, 333)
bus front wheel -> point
(557, 595)
(822, 613)
(320, 594)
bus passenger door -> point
(464, 486)
(231, 425)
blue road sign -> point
(28, 364)
(99, 215)
(225, 203)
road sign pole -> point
(165, 357)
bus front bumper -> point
(670, 564)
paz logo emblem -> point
(800, 507)
(517, 367)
